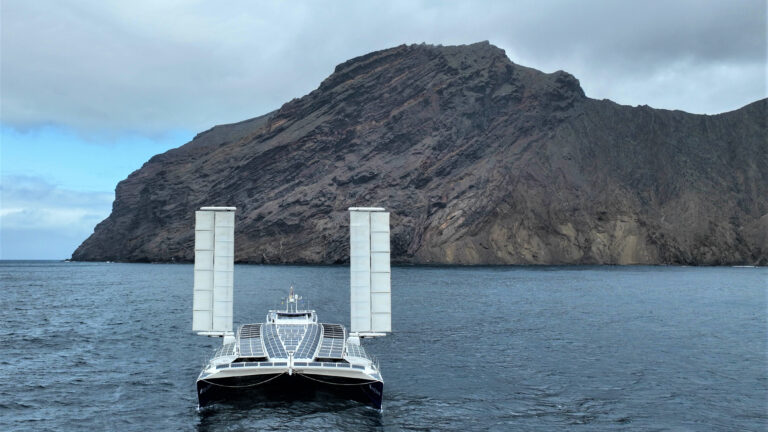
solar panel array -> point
(354, 350)
(225, 351)
(302, 339)
(303, 364)
(333, 342)
(272, 342)
(291, 335)
(250, 331)
(308, 345)
(250, 341)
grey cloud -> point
(39, 220)
(150, 66)
(31, 202)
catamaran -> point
(291, 354)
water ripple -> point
(108, 347)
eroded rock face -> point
(480, 160)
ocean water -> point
(99, 346)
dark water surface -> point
(109, 347)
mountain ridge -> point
(480, 160)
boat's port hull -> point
(282, 386)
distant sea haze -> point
(109, 347)
(480, 161)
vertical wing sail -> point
(381, 310)
(214, 267)
(360, 271)
(223, 269)
(369, 265)
(202, 302)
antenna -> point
(214, 268)
(369, 271)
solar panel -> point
(250, 331)
(354, 350)
(250, 341)
(272, 342)
(227, 350)
(333, 330)
(308, 344)
(332, 345)
(291, 335)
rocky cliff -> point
(480, 160)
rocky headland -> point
(480, 161)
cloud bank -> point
(147, 66)
(39, 220)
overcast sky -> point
(91, 89)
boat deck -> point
(272, 345)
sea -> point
(109, 346)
